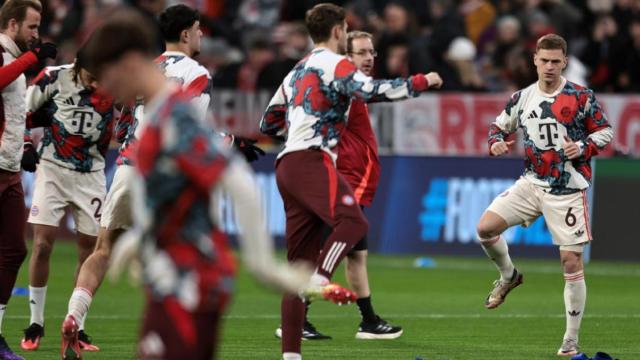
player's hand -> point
(571, 149)
(30, 158)
(125, 256)
(501, 147)
(45, 51)
(434, 79)
(248, 148)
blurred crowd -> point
(476, 45)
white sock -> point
(37, 298)
(575, 296)
(498, 251)
(79, 303)
(291, 356)
(81, 322)
(317, 279)
(3, 307)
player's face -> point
(549, 64)
(194, 35)
(88, 80)
(27, 34)
(120, 78)
(341, 35)
(363, 54)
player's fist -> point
(571, 149)
(248, 148)
(501, 147)
(434, 79)
(45, 51)
(30, 159)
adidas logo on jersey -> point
(533, 115)
(70, 101)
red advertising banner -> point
(457, 124)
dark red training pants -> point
(12, 222)
(171, 333)
(314, 194)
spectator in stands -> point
(244, 76)
(604, 53)
(629, 79)
(293, 43)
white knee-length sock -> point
(37, 299)
(575, 297)
(497, 250)
(3, 307)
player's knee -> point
(486, 231)
(42, 250)
(571, 264)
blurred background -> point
(437, 178)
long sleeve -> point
(9, 73)
(350, 81)
(597, 126)
(39, 99)
(124, 123)
(274, 120)
(506, 123)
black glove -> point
(45, 51)
(248, 148)
(30, 158)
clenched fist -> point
(501, 147)
(571, 149)
(434, 79)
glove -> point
(248, 148)
(30, 158)
(45, 51)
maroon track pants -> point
(314, 194)
(13, 249)
(171, 333)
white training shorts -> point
(117, 209)
(57, 188)
(567, 216)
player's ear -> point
(566, 62)
(184, 36)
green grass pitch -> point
(440, 309)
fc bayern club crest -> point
(348, 200)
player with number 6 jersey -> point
(564, 127)
(78, 123)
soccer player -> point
(78, 123)
(180, 27)
(358, 162)
(310, 109)
(563, 127)
(19, 22)
(187, 264)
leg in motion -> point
(490, 228)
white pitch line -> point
(391, 316)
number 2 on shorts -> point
(97, 214)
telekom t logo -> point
(548, 134)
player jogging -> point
(187, 264)
(19, 22)
(310, 109)
(359, 164)
(180, 28)
(78, 123)
(563, 127)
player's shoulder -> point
(54, 72)
(576, 89)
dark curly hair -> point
(175, 19)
